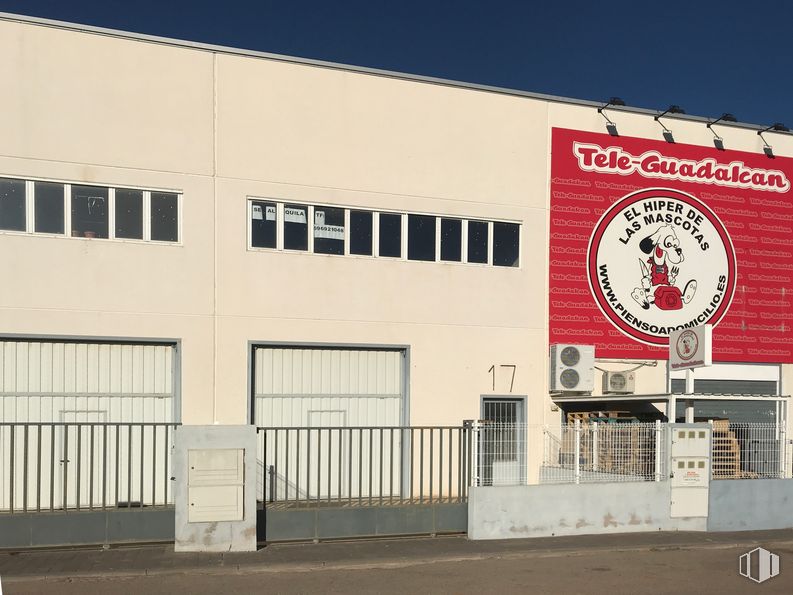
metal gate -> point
(502, 438)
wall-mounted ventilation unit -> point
(572, 368)
(619, 383)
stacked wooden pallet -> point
(619, 447)
(586, 417)
(625, 449)
(726, 457)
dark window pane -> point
(328, 230)
(506, 248)
(48, 208)
(421, 237)
(295, 227)
(164, 217)
(12, 204)
(477, 241)
(451, 240)
(264, 228)
(89, 212)
(361, 232)
(129, 214)
(390, 235)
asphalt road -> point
(628, 567)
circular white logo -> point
(687, 345)
(660, 260)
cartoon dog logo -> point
(658, 278)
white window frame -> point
(281, 203)
(30, 210)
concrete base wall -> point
(547, 510)
(98, 527)
(750, 504)
(338, 523)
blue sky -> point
(708, 57)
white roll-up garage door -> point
(320, 387)
(61, 381)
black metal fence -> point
(363, 466)
(84, 466)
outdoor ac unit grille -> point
(570, 356)
(619, 382)
(570, 379)
(572, 368)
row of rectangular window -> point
(88, 211)
(368, 233)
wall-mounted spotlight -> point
(672, 109)
(611, 127)
(717, 140)
(775, 127)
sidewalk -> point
(161, 560)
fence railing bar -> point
(118, 463)
(104, 467)
(91, 471)
(349, 466)
(129, 467)
(380, 469)
(440, 465)
(167, 477)
(360, 465)
(65, 467)
(412, 461)
(340, 473)
(52, 468)
(330, 462)
(391, 466)
(371, 443)
(142, 465)
(25, 470)
(154, 466)
(12, 450)
(38, 468)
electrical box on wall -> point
(215, 480)
(620, 383)
(572, 368)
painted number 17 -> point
(511, 380)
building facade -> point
(212, 236)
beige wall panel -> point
(268, 283)
(100, 100)
(64, 273)
(449, 364)
(321, 127)
(650, 380)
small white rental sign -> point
(691, 348)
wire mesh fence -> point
(748, 450)
(500, 453)
(603, 452)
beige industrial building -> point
(207, 235)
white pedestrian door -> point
(690, 470)
(502, 442)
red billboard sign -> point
(648, 237)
